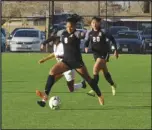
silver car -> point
(26, 40)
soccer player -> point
(70, 74)
(100, 49)
(72, 59)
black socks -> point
(96, 78)
(108, 78)
(95, 87)
(49, 84)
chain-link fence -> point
(43, 15)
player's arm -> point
(51, 38)
(50, 56)
(111, 38)
(43, 44)
(87, 41)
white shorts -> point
(69, 75)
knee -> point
(96, 70)
(51, 72)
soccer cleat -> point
(101, 100)
(42, 95)
(113, 87)
(84, 84)
(41, 103)
(91, 93)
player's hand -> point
(42, 47)
(86, 50)
(116, 54)
(82, 35)
(41, 61)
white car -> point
(26, 40)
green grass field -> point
(130, 108)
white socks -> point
(77, 86)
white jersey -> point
(58, 51)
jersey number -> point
(96, 39)
(66, 40)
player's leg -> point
(58, 77)
(108, 77)
(80, 85)
(70, 76)
(84, 73)
(57, 69)
(96, 69)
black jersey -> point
(71, 44)
(98, 40)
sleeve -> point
(87, 39)
(51, 38)
(111, 38)
(77, 34)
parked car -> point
(11, 35)
(26, 40)
(3, 42)
(114, 29)
(147, 35)
(129, 42)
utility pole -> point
(129, 6)
(99, 8)
(146, 8)
(106, 14)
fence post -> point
(99, 8)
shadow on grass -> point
(112, 108)
(28, 92)
(21, 81)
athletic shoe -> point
(91, 93)
(41, 103)
(84, 84)
(101, 100)
(113, 87)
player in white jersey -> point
(70, 74)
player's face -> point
(70, 27)
(95, 24)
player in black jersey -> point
(101, 49)
(72, 59)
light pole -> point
(99, 8)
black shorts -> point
(104, 56)
(74, 64)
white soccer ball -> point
(54, 102)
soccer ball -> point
(54, 102)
